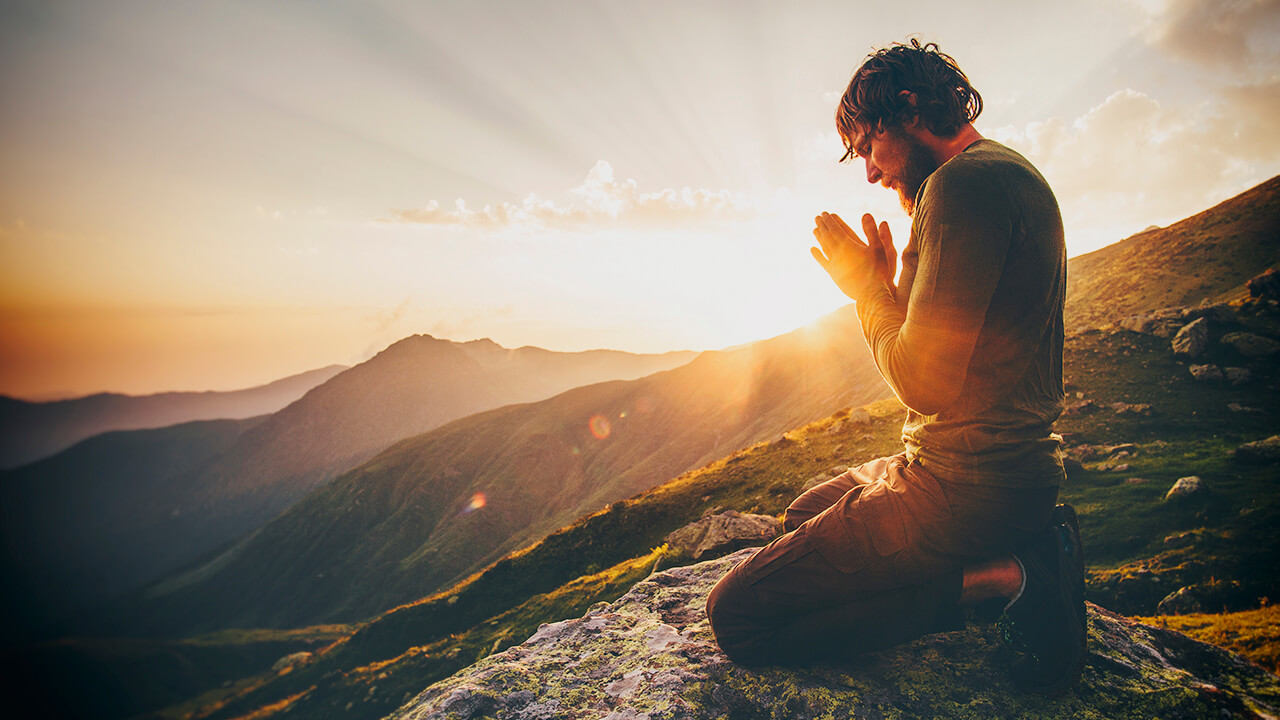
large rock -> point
(1266, 285)
(1192, 340)
(1262, 451)
(1185, 487)
(1218, 313)
(1237, 375)
(1180, 602)
(1206, 373)
(1251, 345)
(1161, 323)
(720, 534)
(651, 655)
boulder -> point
(1192, 340)
(716, 535)
(1185, 487)
(1161, 323)
(1262, 451)
(822, 477)
(1180, 602)
(1266, 285)
(1237, 375)
(1218, 313)
(651, 655)
(1206, 373)
(1251, 345)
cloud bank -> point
(600, 199)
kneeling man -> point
(970, 339)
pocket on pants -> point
(865, 525)
(780, 553)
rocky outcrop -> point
(720, 534)
(1185, 487)
(1237, 375)
(1206, 373)
(1266, 285)
(1192, 340)
(1262, 451)
(1251, 345)
(651, 655)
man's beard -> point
(918, 166)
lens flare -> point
(477, 501)
(600, 426)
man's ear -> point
(910, 99)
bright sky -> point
(212, 195)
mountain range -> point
(106, 516)
(432, 509)
(30, 431)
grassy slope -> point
(1252, 633)
(1142, 547)
(1208, 255)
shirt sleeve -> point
(964, 231)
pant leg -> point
(822, 496)
(879, 565)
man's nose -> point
(873, 172)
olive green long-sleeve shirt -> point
(972, 342)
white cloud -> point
(601, 198)
(1236, 35)
(1130, 161)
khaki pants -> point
(870, 559)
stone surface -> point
(1192, 340)
(1206, 373)
(1138, 409)
(1184, 487)
(824, 476)
(719, 534)
(1218, 313)
(1181, 602)
(1237, 375)
(1161, 323)
(1264, 451)
(1266, 285)
(650, 655)
(857, 417)
(1251, 345)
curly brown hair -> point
(944, 99)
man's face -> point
(897, 161)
